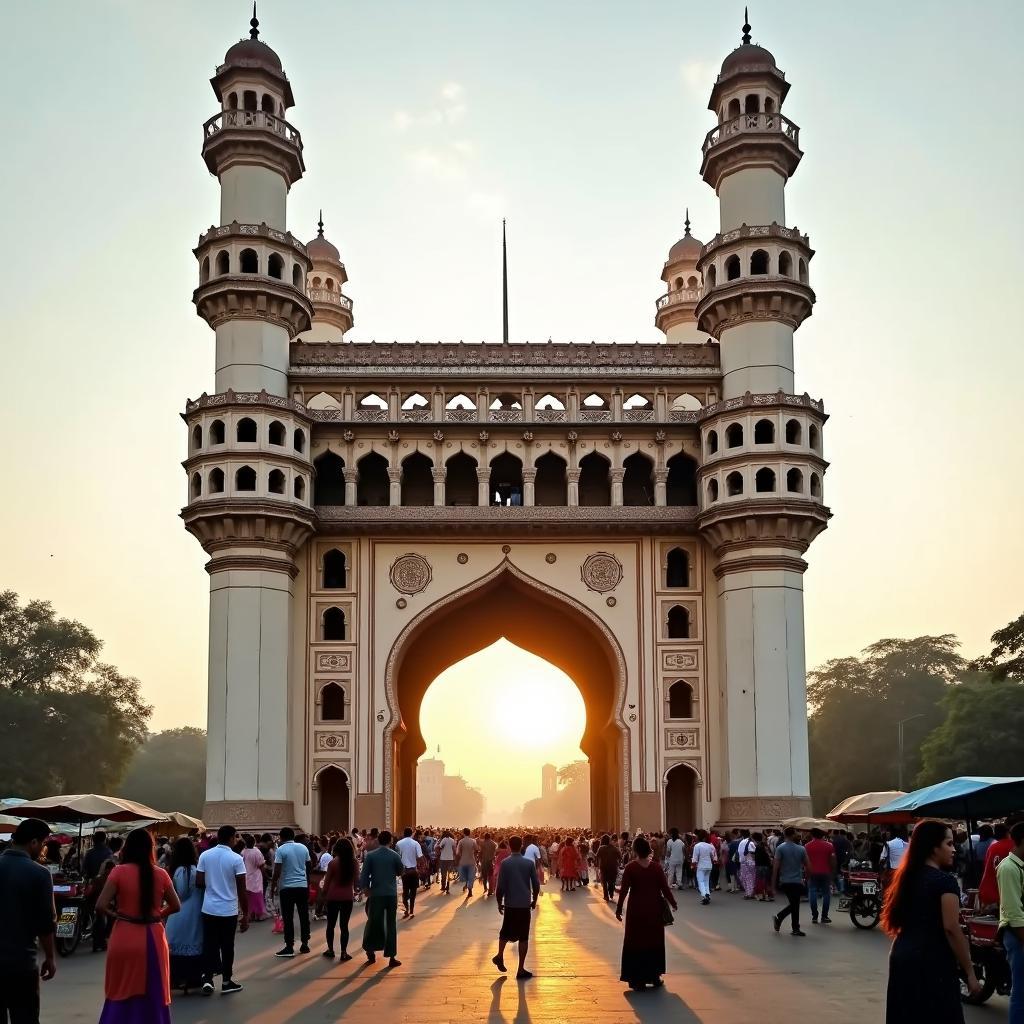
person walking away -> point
(922, 915)
(763, 869)
(643, 942)
(1001, 846)
(503, 852)
(516, 892)
(788, 870)
(185, 928)
(674, 851)
(608, 866)
(732, 860)
(892, 853)
(446, 860)
(291, 885)
(488, 851)
(844, 849)
(381, 870)
(1010, 884)
(137, 981)
(26, 915)
(221, 874)
(410, 851)
(821, 868)
(568, 868)
(747, 867)
(92, 865)
(704, 858)
(531, 851)
(339, 895)
(255, 863)
(466, 852)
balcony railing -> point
(679, 297)
(326, 295)
(753, 124)
(256, 119)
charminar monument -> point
(635, 514)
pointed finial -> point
(687, 223)
(254, 32)
(320, 225)
(746, 27)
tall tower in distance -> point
(249, 492)
(676, 310)
(548, 780)
(761, 476)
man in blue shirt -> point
(381, 870)
(291, 881)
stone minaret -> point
(762, 469)
(249, 495)
(676, 311)
(332, 310)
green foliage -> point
(1007, 658)
(69, 723)
(168, 772)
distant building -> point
(548, 780)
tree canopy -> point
(68, 722)
(168, 771)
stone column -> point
(573, 476)
(439, 477)
(529, 479)
(617, 475)
(395, 479)
(660, 487)
(617, 404)
(483, 479)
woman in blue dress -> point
(185, 929)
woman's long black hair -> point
(183, 854)
(924, 840)
(138, 850)
(346, 854)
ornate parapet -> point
(760, 811)
(253, 137)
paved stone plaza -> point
(725, 965)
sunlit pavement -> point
(725, 964)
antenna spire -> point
(746, 27)
(687, 223)
(504, 284)
(320, 225)
(254, 32)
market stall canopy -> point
(8, 824)
(970, 796)
(82, 807)
(178, 823)
(806, 824)
(858, 808)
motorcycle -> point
(988, 956)
(75, 916)
(863, 895)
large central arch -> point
(508, 603)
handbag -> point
(666, 911)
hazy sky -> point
(582, 123)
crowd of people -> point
(167, 912)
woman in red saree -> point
(503, 852)
(643, 945)
(138, 981)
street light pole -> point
(899, 734)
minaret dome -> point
(332, 310)
(675, 312)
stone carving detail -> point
(767, 809)
(334, 662)
(251, 812)
(462, 558)
(332, 741)
(601, 572)
(551, 558)
(681, 660)
(411, 574)
(682, 739)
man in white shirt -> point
(410, 851)
(553, 856)
(221, 874)
(892, 852)
(446, 860)
(674, 851)
(704, 859)
(532, 852)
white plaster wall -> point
(755, 195)
(757, 357)
(252, 355)
(322, 332)
(686, 333)
(253, 195)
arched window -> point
(734, 435)
(732, 268)
(335, 570)
(299, 441)
(677, 568)
(550, 487)
(322, 400)
(250, 262)
(595, 486)
(417, 480)
(693, 283)
(373, 486)
(759, 262)
(595, 401)
(813, 437)
(712, 278)
(785, 264)
(329, 284)
(196, 490)
(275, 266)
(764, 480)
(680, 700)
(333, 627)
(197, 437)
(734, 108)
(549, 402)
(204, 270)
(506, 484)
(681, 483)
(678, 623)
(793, 432)
(267, 104)
(249, 99)
(752, 105)
(637, 401)
(638, 480)
(276, 482)
(216, 481)
(769, 105)
(712, 442)
(316, 282)
(414, 401)
(332, 703)
(733, 485)
(795, 481)
(245, 430)
(686, 401)
(276, 432)
(815, 486)
(764, 432)
(802, 271)
(223, 262)
(297, 276)
(372, 401)
(712, 490)
(460, 481)
(232, 100)
(679, 284)
(329, 479)
(245, 479)
(460, 401)
(299, 488)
